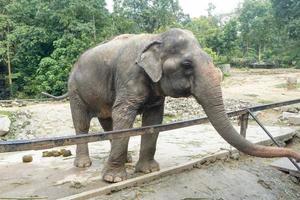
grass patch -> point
(264, 101)
(169, 119)
(226, 75)
(284, 85)
(6, 113)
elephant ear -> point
(150, 60)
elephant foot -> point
(114, 174)
(82, 161)
(147, 166)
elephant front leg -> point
(147, 163)
(114, 170)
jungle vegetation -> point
(41, 39)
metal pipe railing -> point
(35, 144)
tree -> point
(287, 15)
(57, 30)
(257, 27)
(150, 15)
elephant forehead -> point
(176, 41)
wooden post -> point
(243, 122)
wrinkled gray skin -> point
(132, 74)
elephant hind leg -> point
(81, 121)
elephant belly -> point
(105, 111)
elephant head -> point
(175, 62)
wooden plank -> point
(164, 172)
(244, 124)
(147, 177)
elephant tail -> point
(56, 97)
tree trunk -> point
(94, 27)
(259, 53)
(9, 65)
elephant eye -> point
(188, 67)
(187, 64)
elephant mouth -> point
(183, 93)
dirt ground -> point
(249, 178)
(260, 85)
(245, 87)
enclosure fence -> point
(37, 144)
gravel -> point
(40, 121)
(188, 108)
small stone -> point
(291, 83)
(235, 156)
(62, 151)
(47, 154)
(15, 103)
(56, 153)
(292, 118)
(76, 185)
(27, 158)
(291, 109)
(66, 153)
(22, 104)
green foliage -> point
(287, 14)
(149, 15)
(43, 39)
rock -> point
(15, 103)
(292, 118)
(47, 154)
(291, 83)
(235, 156)
(226, 69)
(56, 153)
(4, 125)
(27, 158)
(22, 104)
(291, 109)
(66, 153)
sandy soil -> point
(260, 85)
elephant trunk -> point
(208, 94)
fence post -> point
(243, 122)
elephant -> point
(132, 74)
